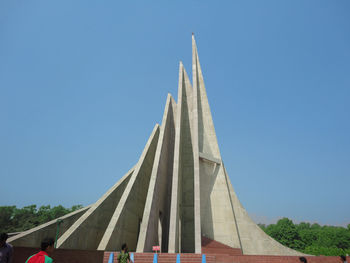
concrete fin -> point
(125, 222)
(155, 220)
(196, 147)
(207, 141)
(217, 218)
(87, 231)
(224, 219)
(33, 237)
(173, 245)
(190, 237)
(182, 224)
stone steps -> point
(222, 258)
(163, 258)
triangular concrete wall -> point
(125, 223)
(182, 221)
(155, 223)
(87, 231)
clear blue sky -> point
(82, 84)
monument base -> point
(95, 256)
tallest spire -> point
(196, 69)
(207, 140)
(195, 145)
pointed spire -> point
(196, 67)
(207, 136)
(194, 60)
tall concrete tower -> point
(177, 193)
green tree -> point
(311, 239)
(58, 211)
(6, 215)
(286, 233)
(24, 218)
(43, 214)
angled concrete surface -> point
(216, 213)
(196, 132)
(181, 232)
(87, 231)
(155, 220)
(124, 225)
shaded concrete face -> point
(174, 224)
(186, 175)
(163, 187)
(182, 217)
(155, 224)
(177, 193)
(218, 222)
(124, 226)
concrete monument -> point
(177, 193)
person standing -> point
(47, 247)
(124, 256)
(6, 250)
(343, 258)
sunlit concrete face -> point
(177, 193)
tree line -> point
(310, 238)
(305, 237)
